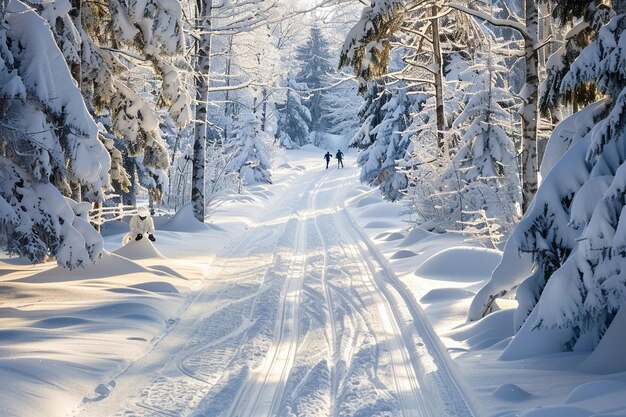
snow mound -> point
(59, 322)
(558, 411)
(135, 250)
(184, 221)
(285, 165)
(382, 235)
(445, 294)
(394, 236)
(403, 254)
(379, 225)
(461, 264)
(380, 210)
(156, 286)
(167, 270)
(366, 201)
(608, 357)
(511, 392)
(108, 266)
(415, 236)
(593, 390)
(485, 333)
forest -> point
(501, 121)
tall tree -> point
(528, 29)
(203, 69)
(315, 67)
(293, 118)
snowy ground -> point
(307, 297)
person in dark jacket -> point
(327, 158)
(339, 157)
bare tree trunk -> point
(228, 106)
(530, 96)
(264, 109)
(202, 67)
(438, 60)
(129, 198)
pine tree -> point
(248, 151)
(485, 166)
(109, 46)
(379, 161)
(314, 58)
(293, 119)
(575, 230)
(47, 141)
(370, 115)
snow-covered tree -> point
(293, 118)
(485, 166)
(370, 115)
(379, 161)
(315, 66)
(248, 151)
(572, 239)
(592, 16)
(116, 50)
(47, 141)
(528, 29)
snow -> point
(291, 285)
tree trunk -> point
(228, 106)
(530, 97)
(202, 67)
(438, 60)
(129, 198)
(264, 109)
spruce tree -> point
(248, 151)
(574, 232)
(48, 140)
(379, 161)
(315, 66)
(293, 118)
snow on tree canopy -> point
(249, 152)
(293, 118)
(575, 228)
(39, 159)
(378, 162)
(367, 45)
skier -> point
(141, 224)
(327, 158)
(339, 157)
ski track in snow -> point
(306, 320)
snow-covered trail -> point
(304, 319)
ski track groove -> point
(258, 400)
(334, 348)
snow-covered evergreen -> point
(379, 162)
(574, 230)
(315, 60)
(248, 152)
(48, 140)
(294, 118)
(485, 167)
